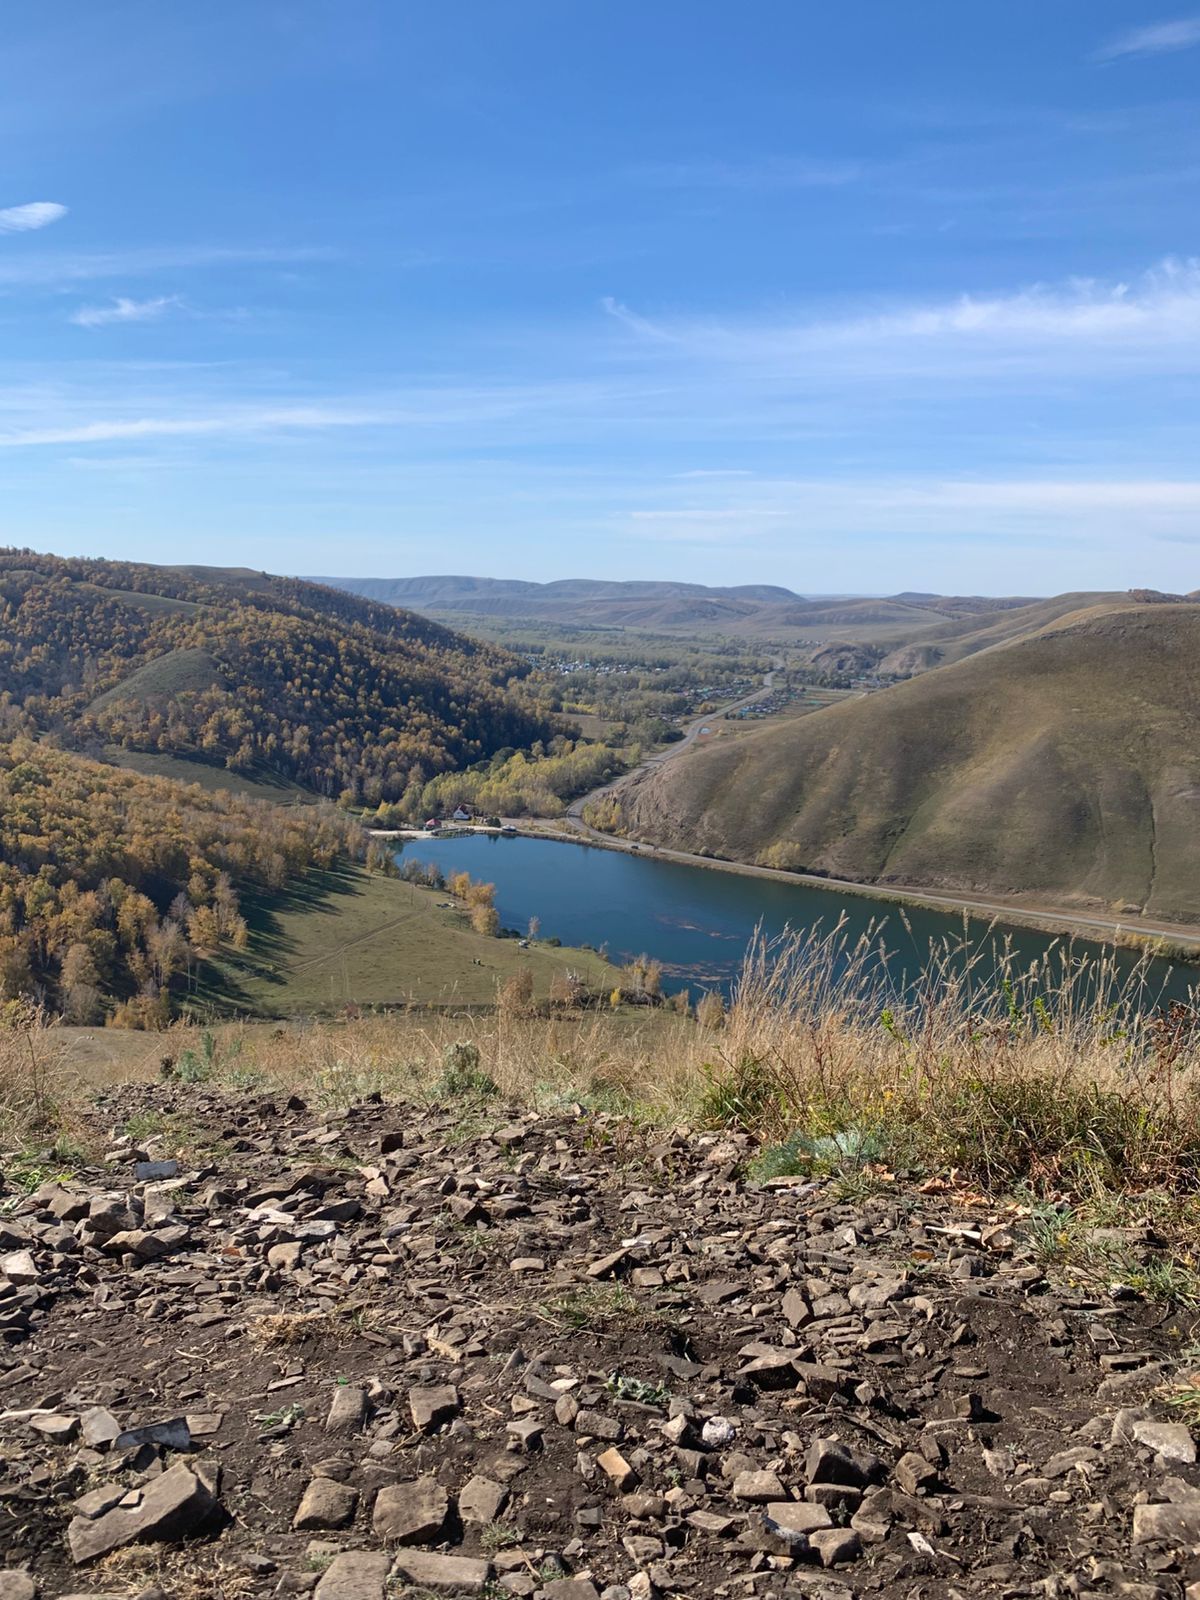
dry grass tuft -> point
(645, 1058)
(177, 1570)
(283, 1328)
(1065, 1078)
(337, 1325)
(595, 1306)
(42, 1122)
(1183, 1397)
(1060, 1075)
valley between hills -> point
(355, 1244)
(205, 769)
(1001, 753)
(664, 1063)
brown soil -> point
(580, 1288)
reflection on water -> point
(693, 927)
(640, 905)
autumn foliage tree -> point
(113, 886)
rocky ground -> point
(397, 1351)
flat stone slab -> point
(325, 1504)
(347, 1410)
(410, 1513)
(356, 1575)
(1172, 1524)
(481, 1500)
(757, 1488)
(169, 1507)
(171, 1434)
(795, 1519)
(1171, 1440)
(432, 1405)
(99, 1427)
(463, 1574)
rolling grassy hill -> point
(163, 678)
(967, 634)
(575, 601)
(894, 640)
(350, 937)
(863, 629)
(1064, 764)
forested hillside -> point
(114, 887)
(348, 698)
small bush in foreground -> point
(462, 1073)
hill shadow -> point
(222, 982)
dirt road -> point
(574, 814)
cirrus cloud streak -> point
(1154, 317)
(1158, 38)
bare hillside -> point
(1065, 764)
(969, 633)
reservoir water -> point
(698, 922)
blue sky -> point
(853, 297)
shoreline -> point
(1049, 919)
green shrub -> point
(462, 1074)
(744, 1095)
(202, 1065)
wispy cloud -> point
(784, 510)
(1042, 497)
(1163, 303)
(723, 514)
(1156, 317)
(105, 416)
(1158, 38)
(28, 218)
(51, 270)
(639, 325)
(235, 422)
(123, 309)
(696, 525)
(773, 172)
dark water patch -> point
(637, 905)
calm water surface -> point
(698, 921)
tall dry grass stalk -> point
(1067, 1074)
(40, 1093)
(1062, 1069)
(644, 1059)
